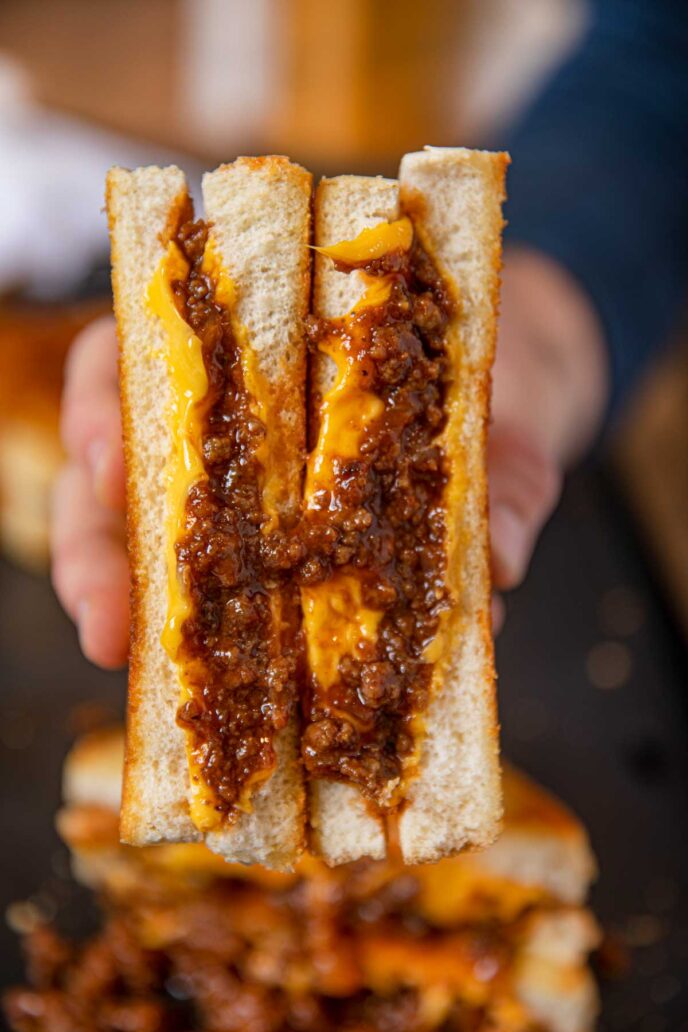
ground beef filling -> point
(242, 669)
(234, 957)
(383, 520)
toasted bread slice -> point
(145, 208)
(543, 843)
(454, 198)
(260, 215)
(343, 827)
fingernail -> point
(511, 542)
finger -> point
(91, 425)
(89, 568)
(108, 474)
(524, 488)
(498, 614)
(104, 630)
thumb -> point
(524, 485)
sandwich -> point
(305, 392)
(497, 940)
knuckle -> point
(63, 580)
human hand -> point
(549, 393)
(89, 563)
(550, 385)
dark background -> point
(592, 698)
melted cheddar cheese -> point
(336, 621)
(189, 386)
(457, 889)
(372, 243)
(337, 624)
(186, 413)
(255, 382)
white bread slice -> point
(343, 827)
(261, 214)
(259, 211)
(144, 209)
(92, 772)
(455, 199)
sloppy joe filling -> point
(237, 643)
(368, 553)
(318, 956)
(374, 577)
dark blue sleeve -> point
(599, 179)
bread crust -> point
(145, 208)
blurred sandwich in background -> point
(34, 340)
(490, 942)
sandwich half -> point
(497, 939)
(210, 316)
(328, 616)
(400, 720)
